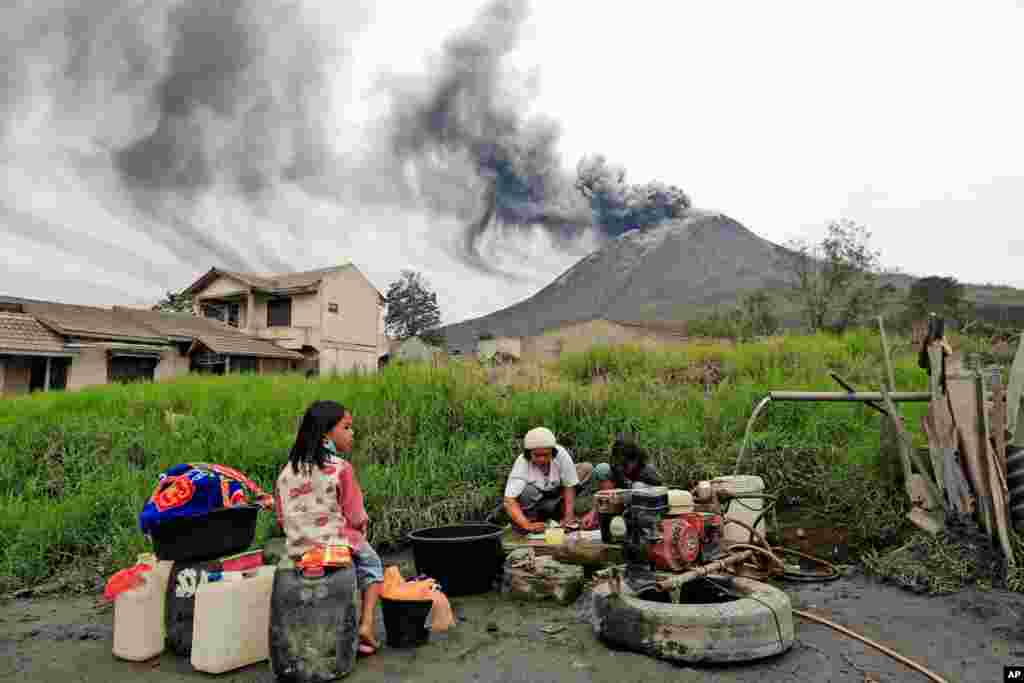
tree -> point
(943, 296)
(836, 282)
(412, 308)
(174, 303)
(758, 314)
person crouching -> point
(544, 483)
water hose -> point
(867, 641)
(758, 542)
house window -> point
(244, 364)
(279, 313)
(227, 312)
(332, 307)
(130, 369)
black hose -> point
(801, 577)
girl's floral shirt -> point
(322, 507)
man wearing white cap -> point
(544, 479)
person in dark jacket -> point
(628, 468)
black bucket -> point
(464, 559)
(405, 621)
(223, 532)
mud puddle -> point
(965, 637)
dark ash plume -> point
(475, 154)
(466, 123)
(618, 206)
(211, 115)
(196, 103)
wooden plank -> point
(1014, 393)
(997, 420)
(941, 431)
(997, 488)
(936, 361)
(963, 405)
(585, 553)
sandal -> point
(366, 648)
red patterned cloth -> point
(321, 508)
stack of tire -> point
(1015, 484)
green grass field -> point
(434, 445)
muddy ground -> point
(965, 637)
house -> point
(581, 336)
(331, 316)
(508, 346)
(415, 349)
(46, 345)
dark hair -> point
(320, 418)
(627, 450)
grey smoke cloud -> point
(470, 117)
(194, 104)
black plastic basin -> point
(463, 558)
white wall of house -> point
(306, 321)
(350, 317)
(172, 364)
(358, 318)
(87, 369)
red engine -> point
(687, 539)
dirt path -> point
(966, 637)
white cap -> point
(539, 437)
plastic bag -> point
(333, 555)
(126, 580)
(397, 588)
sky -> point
(905, 117)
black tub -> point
(464, 558)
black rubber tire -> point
(752, 627)
(1015, 486)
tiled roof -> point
(218, 336)
(90, 321)
(177, 324)
(275, 283)
(20, 332)
(306, 278)
(244, 345)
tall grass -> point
(434, 445)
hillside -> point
(673, 271)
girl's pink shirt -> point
(327, 503)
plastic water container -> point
(314, 624)
(745, 510)
(139, 629)
(231, 623)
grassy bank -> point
(434, 445)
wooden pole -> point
(910, 453)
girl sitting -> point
(319, 502)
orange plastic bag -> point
(397, 588)
(125, 580)
(330, 556)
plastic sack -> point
(333, 555)
(397, 588)
(125, 580)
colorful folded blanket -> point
(195, 490)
